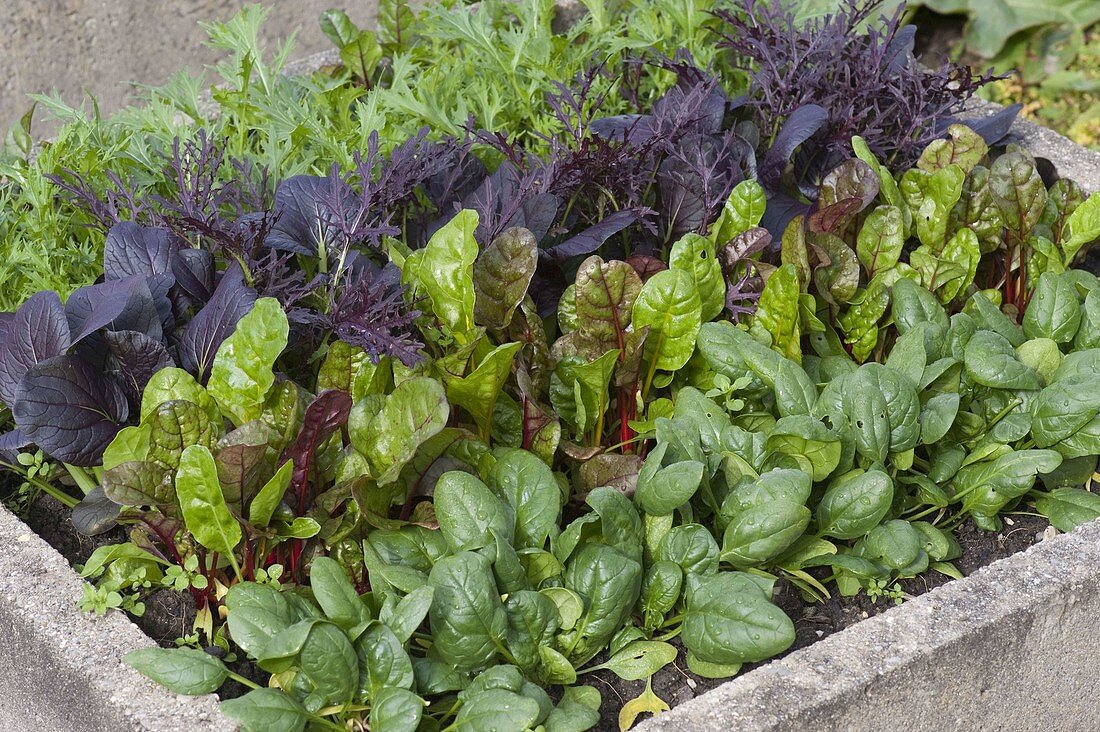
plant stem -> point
(83, 480)
(246, 681)
(41, 485)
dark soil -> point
(812, 622)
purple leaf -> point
(69, 409)
(799, 127)
(231, 301)
(11, 443)
(995, 128)
(594, 236)
(134, 358)
(96, 513)
(131, 249)
(125, 304)
(781, 209)
(38, 331)
(194, 273)
(303, 215)
(325, 414)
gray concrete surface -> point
(1071, 160)
(61, 669)
(97, 46)
(1015, 646)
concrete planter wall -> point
(1014, 645)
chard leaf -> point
(777, 311)
(605, 293)
(204, 510)
(444, 271)
(175, 426)
(1018, 192)
(669, 306)
(860, 322)
(324, 416)
(341, 366)
(964, 148)
(579, 389)
(1082, 227)
(502, 274)
(837, 274)
(414, 412)
(880, 239)
(696, 255)
(172, 384)
(931, 197)
(263, 506)
(477, 391)
(243, 370)
(743, 210)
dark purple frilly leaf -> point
(70, 409)
(325, 414)
(133, 359)
(231, 301)
(36, 332)
(370, 313)
(799, 127)
(131, 249)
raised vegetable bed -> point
(674, 391)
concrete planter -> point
(63, 669)
(1013, 644)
